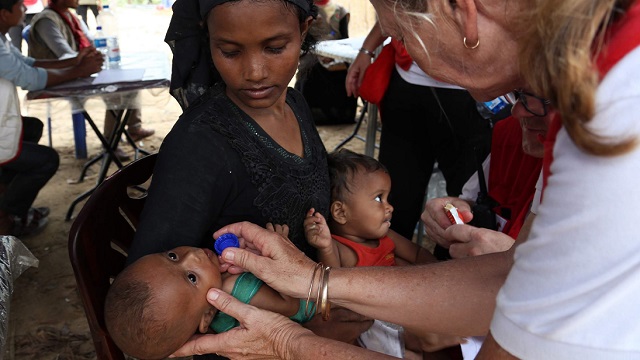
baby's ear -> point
(206, 319)
(338, 212)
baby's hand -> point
(279, 229)
(316, 230)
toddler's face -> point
(369, 215)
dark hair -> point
(193, 71)
(129, 316)
(309, 41)
(343, 165)
(7, 4)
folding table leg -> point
(80, 135)
(356, 128)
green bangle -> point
(370, 53)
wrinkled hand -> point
(317, 231)
(469, 240)
(343, 325)
(436, 221)
(282, 230)
(269, 256)
(356, 73)
(261, 335)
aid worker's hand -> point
(436, 221)
(261, 335)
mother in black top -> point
(223, 160)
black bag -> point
(483, 215)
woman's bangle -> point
(325, 306)
(370, 53)
(307, 310)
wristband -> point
(370, 53)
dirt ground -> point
(46, 316)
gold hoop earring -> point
(464, 41)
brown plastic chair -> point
(99, 239)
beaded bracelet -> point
(370, 53)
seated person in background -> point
(514, 183)
(157, 303)
(321, 79)
(25, 166)
(15, 32)
(358, 234)
(56, 33)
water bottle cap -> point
(105, 7)
(99, 27)
(225, 241)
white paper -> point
(385, 338)
(471, 348)
(110, 76)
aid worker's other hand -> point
(261, 335)
(436, 221)
(467, 240)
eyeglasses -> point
(537, 106)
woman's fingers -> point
(279, 264)
(259, 335)
(218, 343)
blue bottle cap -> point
(225, 241)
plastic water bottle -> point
(100, 42)
(109, 24)
(496, 105)
(114, 52)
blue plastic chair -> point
(25, 33)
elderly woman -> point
(564, 297)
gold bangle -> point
(307, 313)
(319, 292)
(370, 53)
(325, 306)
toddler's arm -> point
(408, 252)
(318, 235)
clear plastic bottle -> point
(109, 24)
(114, 52)
(100, 43)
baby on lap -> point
(157, 303)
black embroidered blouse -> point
(217, 166)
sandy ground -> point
(46, 316)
